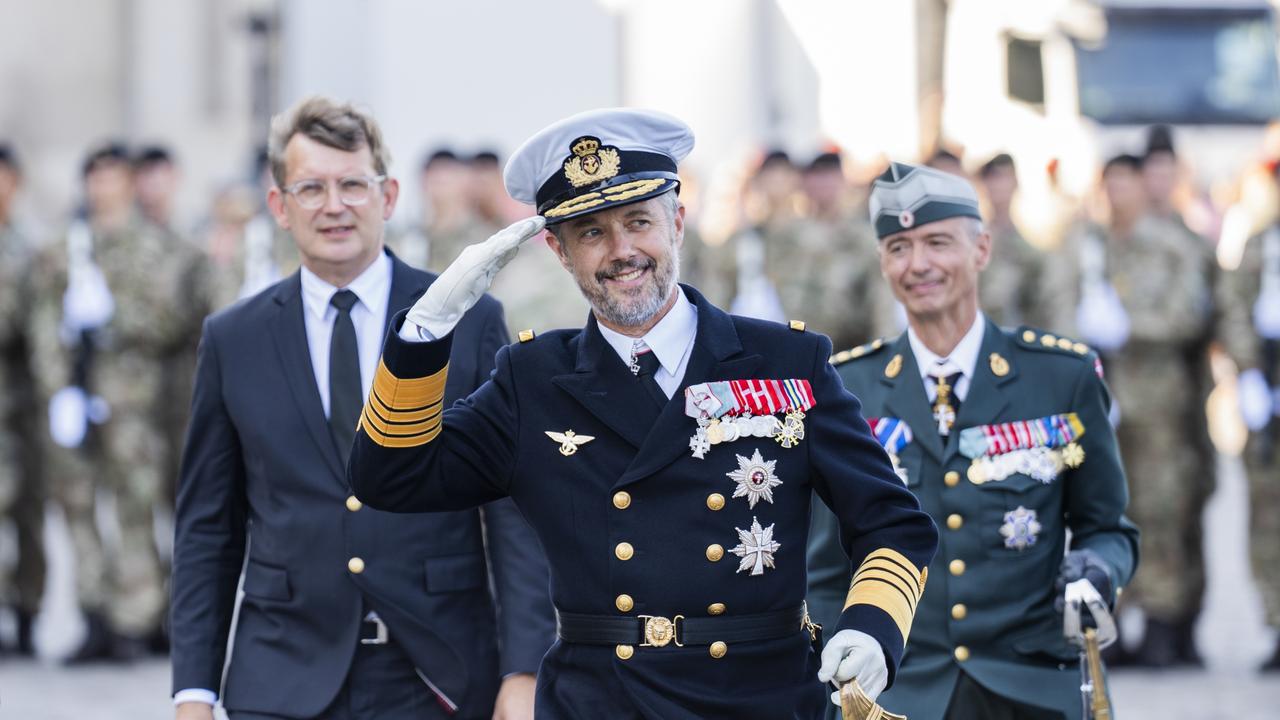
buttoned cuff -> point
(200, 695)
(412, 332)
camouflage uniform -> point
(152, 281)
(1163, 276)
(433, 248)
(229, 277)
(1009, 291)
(828, 274)
(1239, 291)
(21, 483)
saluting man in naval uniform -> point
(666, 454)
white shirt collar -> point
(963, 358)
(372, 288)
(670, 340)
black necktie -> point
(648, 363)
(946, 404)
(345, 398)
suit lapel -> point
(407, 285)
(908, 401)
(986, 398)
(290, 334)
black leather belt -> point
(656, 631)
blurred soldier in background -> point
(1250, 331)
(247, 252)
(156, 178)
(1010, 287)
(1137, 290)
(111, 309)
(822, 265)
(450, 220)
(21, 486)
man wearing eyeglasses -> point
(347, 612)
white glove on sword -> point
(467, 278)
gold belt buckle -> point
(659, 631)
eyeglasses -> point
(352, 191)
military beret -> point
(906, 196)
(598, 160)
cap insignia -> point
(590, 163)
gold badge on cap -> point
(590, 163)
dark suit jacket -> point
(673, 512)
(261, 470)
(993, 600)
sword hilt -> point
(855, 705)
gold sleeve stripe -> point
(892, 571)
(401, 415)
(889, 581)
(399, 441)
(404, 413)
(897, 558)
(391, 427)
(406, 394)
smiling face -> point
(933, 269)
(336, 241)
(625, 261)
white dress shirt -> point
(671, 341)
(373, 292)
(963, 359)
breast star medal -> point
(1020, 528)
(756, 548)
(755, 479)
(569, 441)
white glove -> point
(87, 303)
(1101, 318)
(460, 286)
(854, 655)
(1266, 315)
(1255, 399)
(68, 417)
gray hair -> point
(337, 125)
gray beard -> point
(635, 310)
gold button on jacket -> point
(959, 611)
(954, 521)
(952, 478)
(961, 653)
(624, 551)
(624, 602)
(355, 565)
(622, 499)
(715, 501)
(624, 652)
(956, 567)
(353, 503)
(718, 649)
(715, 552)
(715, 609)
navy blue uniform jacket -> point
(631, 513)
(260, 466)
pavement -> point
(1231, 635)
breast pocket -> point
(455, 573)
(1018, 515)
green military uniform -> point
(988, 609)
(1009, 292)
(1247, 341)
(151, 282)
(21, 482)
(1163, 277)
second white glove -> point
(468, 277)
(854, 655)
(1255, 399)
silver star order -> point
(755, 478)
(1020, 528)
(756, 548)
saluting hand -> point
(460, 286)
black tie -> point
(345, 398)
(648, 363)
